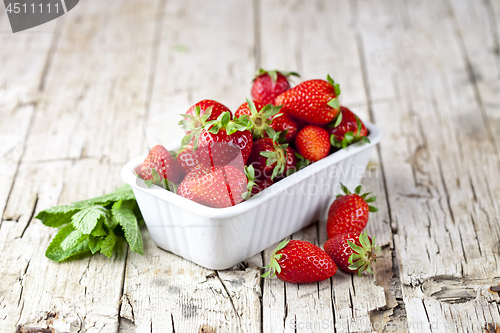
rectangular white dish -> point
(219, 238)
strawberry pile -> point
(226, 157)
(347, 248)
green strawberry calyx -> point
(302, 162)
(193, 125)
(223, 122)
(261, 120)
(274, 74)
(278, 155)
(365, 255)
(273, 266)
(363, 196)
(334, 102)
(349, 137)
(250, 173)
(160, 181)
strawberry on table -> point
(314, 101)
(346, 128)
(160, 164)
(352, 252)
(298, 261)
(349, 212)
(271, 159)
(261, 116)
(220, 187)
(313, 142)
(267, 85)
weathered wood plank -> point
(89, 102)
(199, 57)
(24, 59)
(438, 161)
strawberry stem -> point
(365, 255)
(273, 74)
(273, 265)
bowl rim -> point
(128, 175)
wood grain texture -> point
(82, 100)
(438, 159)
(426, 72)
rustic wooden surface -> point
(426, 72)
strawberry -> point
(220, 187)
(271, 159)
(261, 184)
(197, 172)
(298, 261)
(314, 101)
(260, 116)
(352, 252)
(347, 128)
(203, 111)
(349, 212)
(269, 84)
(313, 142)
(285, 123)
(187, 159)
(159, 165)
(220, 141)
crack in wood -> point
(230, 300)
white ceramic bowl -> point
(219, 238)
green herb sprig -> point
(94, 225)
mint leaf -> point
(73, 239)
(56, 253)
(108, 244)
(122, 193)
(111, 222)
(94, 244)
(86, 219)
(99, 229)
(123, 211)
(57, 216)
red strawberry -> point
(347, 128)
(352, 252)
(222, 187)
(195, 173)
(314, 101)
(244, 108)
(313, 143)
(221, 141)
(269, 84)
(203, 111)
(285, 123)
(297, 261)
(271, 159)
(300, 123)
(187, 159)
(261, 184)
(161, 161)
(349, 212)
(260, 116)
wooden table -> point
(426, 72)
